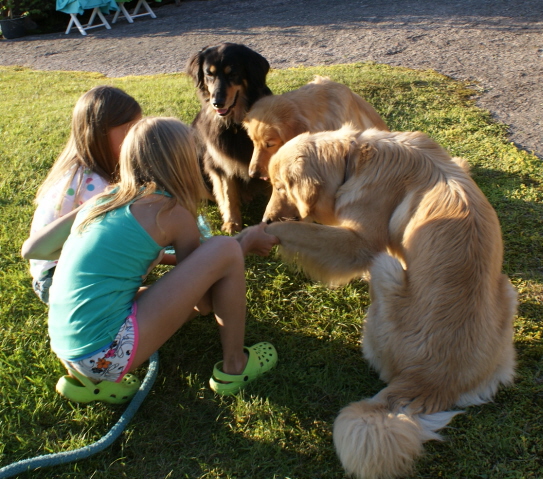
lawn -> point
(280, 427)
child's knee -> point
(226, 248)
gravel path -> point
(496, 43)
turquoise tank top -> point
(97, 277)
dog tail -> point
(374, 442)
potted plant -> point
(14, 16)
(11, 21)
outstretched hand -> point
(254, 240)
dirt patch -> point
(496, 43)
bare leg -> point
(218, 267)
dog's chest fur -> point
(228, 147)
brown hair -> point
(95, 113)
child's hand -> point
(256, 241)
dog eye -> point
(231, 72)
(269, 145)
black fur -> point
(229, 78)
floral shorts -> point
(112, 362)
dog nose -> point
(268, 221)
(254, 173)
(218, 98)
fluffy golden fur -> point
(320, 105)
(440, 326)
(229, 78)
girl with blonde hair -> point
(86, 167)
(102, 322)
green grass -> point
(280, 427)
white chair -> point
(130, 16)
(83, 28)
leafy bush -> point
(16, 8)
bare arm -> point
(173, 226)
(47, 242)
(332, 254)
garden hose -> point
(58, 458)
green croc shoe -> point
(261, 358)
(84, 390)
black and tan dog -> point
(229, 78)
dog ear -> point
(297, 125)
(194, 68)
(308, 192)
(305, 182)
(290, 125)
(258, 68)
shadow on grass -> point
(275, 428)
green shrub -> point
(15, 8)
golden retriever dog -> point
(439, 328)
(320, 105)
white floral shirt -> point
(60, 200)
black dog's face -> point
(224, 81)
(229, 77)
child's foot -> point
(82, 389)
(261, 358)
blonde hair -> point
(95, 113)
(158, 154)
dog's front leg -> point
(226, 193)
(331, 254)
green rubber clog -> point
(261, 358)
(82, 389)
